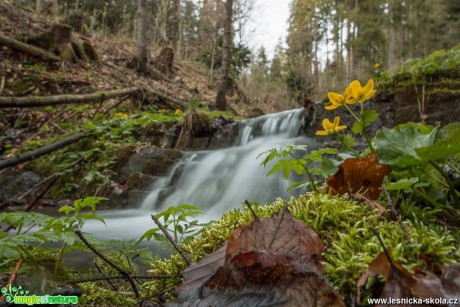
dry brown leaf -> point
(400, 283)
(197, 274)
(451, 282)
(272, 262)
(355, 175)
(282, 235)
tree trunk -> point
(142, 56)
(176, 28)
(47, 7)
(221, 100)
(40, 6)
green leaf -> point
(317, 155)
(357, 128)
(66, 209)
(402, 184)
(275, 168)
(91, 216)
(347, 139)
(397, 146)
(90, 201)
(297, 185)
(287, 169)
(329, 167)
(447, 143)
(368, 116)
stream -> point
(214, 180)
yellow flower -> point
(120, 114)
(331, 128)
(162, 110)
(376, 65)
(338, 100)
(361, 94)
(177, 112)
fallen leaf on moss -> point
(273, 261)
(355, 175)
(400, 283)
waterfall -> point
(216, 180)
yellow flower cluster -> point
(354, 93)
(177, 112)
(120, 114)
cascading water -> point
(217, 180)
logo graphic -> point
(18, 295)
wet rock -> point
(136, 173)
(16, 182)
(164, 136)
(225, 133)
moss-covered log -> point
(41, 101)
(29, 49)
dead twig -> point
(40, 196)
(107, 278)
(171, 240)
(2, 84)
(116, 104)
(134, 276)
(13, 275)
(122, 271)
(44, 150)
(252, 211)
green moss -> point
(97, 296)
(20, 86)
(345, 228)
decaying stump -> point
(196, 124)
(164, 62)
(61, 41)
(76, 21)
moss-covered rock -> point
(345, 228)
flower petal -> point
(369, 86)
(322, 133)
(338, 128)
(327, 124)
(336, 122)
(355, 84)
(335, 98)
(370, 94)
(332, 107)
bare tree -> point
(221, 100)
(142, 56)
(176, 26)
(47, 6)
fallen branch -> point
(122, 271)
(41, 101)
(44, 150)
(29, 49)
(122, 277)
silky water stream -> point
(214, 180)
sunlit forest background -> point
(329, 43)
